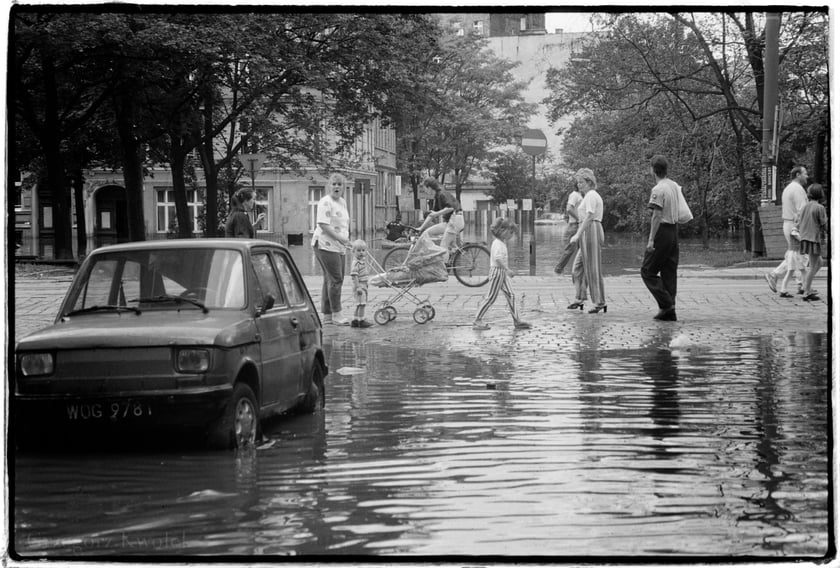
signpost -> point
(533, 143)
(253, 162)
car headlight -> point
(36, 364)
(192, 360)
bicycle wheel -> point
(395, 258)
(471, 265)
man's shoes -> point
(363, 323)
(668, 314)
(354, 323)
(771, 281)
(800, 291)
(785, 295)
(522, 325)
(340, 321)
(812, 297)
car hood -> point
(224, 328)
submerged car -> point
(210, 335)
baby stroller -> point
(425, 263)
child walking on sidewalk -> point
(359, 272)
(500, 275)
(811, 222)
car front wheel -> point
(238, 425)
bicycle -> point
(469, 262)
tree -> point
(687, 72)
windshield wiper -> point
(102, 308)
(169, 298)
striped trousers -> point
(586, 270)
(499, 282)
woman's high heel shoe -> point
(597, 309)
(575, 306)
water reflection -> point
(602, 448)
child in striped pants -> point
(500, 275)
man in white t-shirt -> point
(794, 199)
(569, 251)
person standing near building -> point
(794, 199)
(330, 241)
(238, 224)
(572, 204)
(662, 254)
(586, 270)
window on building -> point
(167, 219)
(47, 217)
(478, 27)
(315, 195)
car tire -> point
(239, 424)
(316, 396)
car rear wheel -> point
(238, 426)
(316, 396)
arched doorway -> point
(110, 224)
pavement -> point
(713, 306)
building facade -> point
(288, 201)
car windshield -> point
(161, 279)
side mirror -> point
(268, 304)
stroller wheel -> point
(392, 312)
(431, 312)
(421, 315)
(382, 316)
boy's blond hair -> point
(500, 225)
(359, 244)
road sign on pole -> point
(533, 142)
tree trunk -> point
(77, 180)
(179, 190)
(132, 169)
(56, 182)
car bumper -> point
(182, 408)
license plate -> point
(114, 410)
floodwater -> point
(613, 452)
(621, 253)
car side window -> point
(267, 278)
(290, 284)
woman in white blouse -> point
(330, 241)
(586, 270)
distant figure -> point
(572, 204)
(330, 241)
(812, 221)
(662, 255)
(794, 199)
(238, 223)
(359, 273)
(500, 274)
(586, 269)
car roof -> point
(166, 244)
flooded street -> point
(600, 447)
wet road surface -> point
(607, 444)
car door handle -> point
(294, 322)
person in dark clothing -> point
(238, 223)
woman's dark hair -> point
(242, 195)
(432, 182)
(815, 192)
(659, 163)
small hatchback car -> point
(211, 335)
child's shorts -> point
(360, 295)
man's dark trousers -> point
(659, 267)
